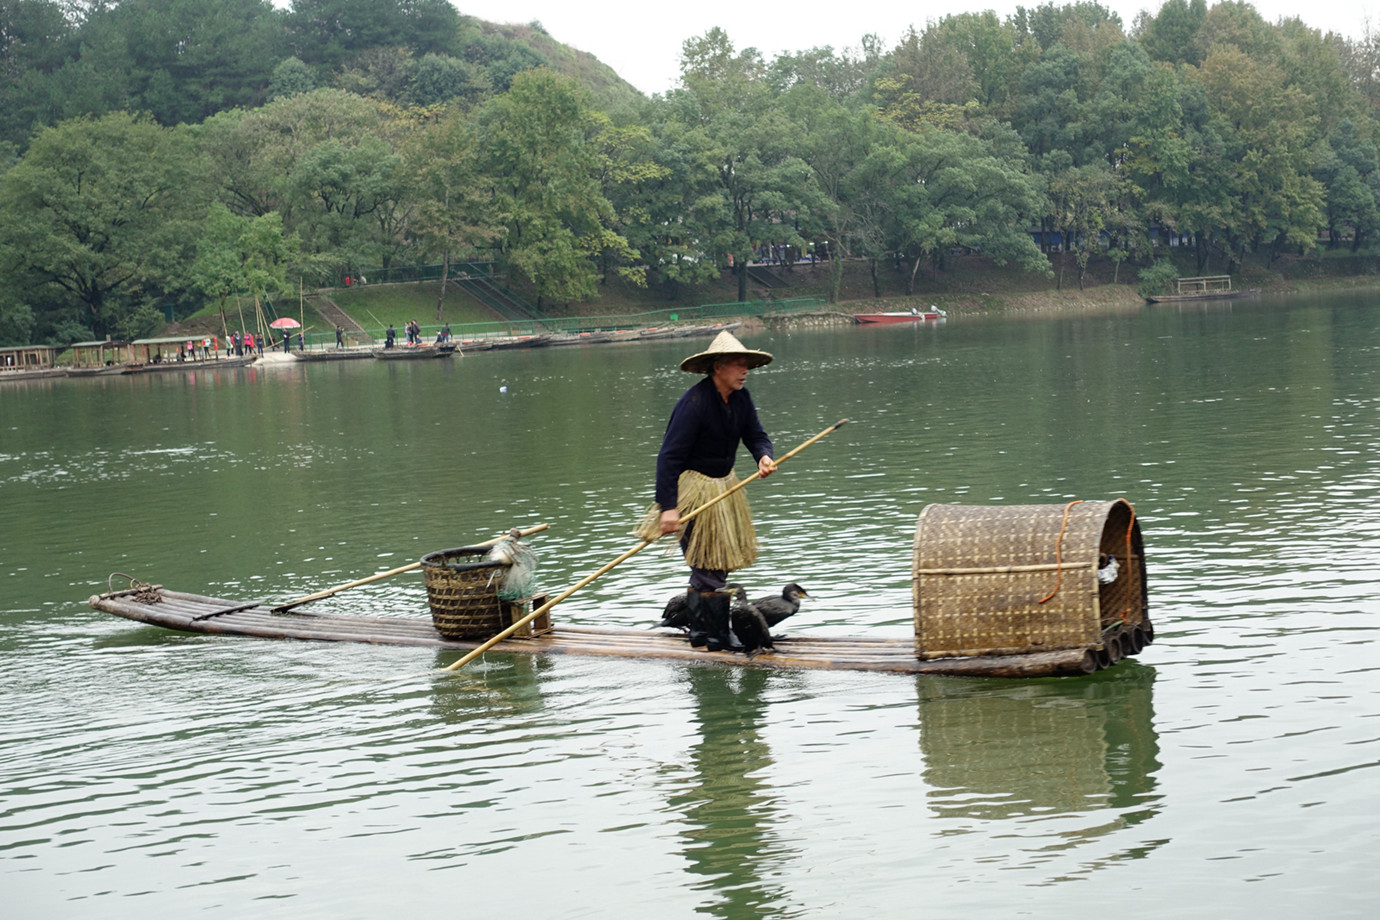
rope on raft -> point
(144, 593)
(1125, 617)
(1059, 553)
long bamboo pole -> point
(389, 574)
(240, 307)
(518, 624)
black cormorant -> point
(677, 613)
(776, 608)
(748, 624)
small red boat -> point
(901, 316)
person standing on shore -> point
(694, 465)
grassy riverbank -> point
(968, 285)
(972, 285)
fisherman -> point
(695, 464)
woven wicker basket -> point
(462, 589)
(1006, 580)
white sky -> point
(642, 41)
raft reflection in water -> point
(1042, 748)
(780, 768)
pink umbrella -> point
(284, 322)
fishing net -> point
(519, 580)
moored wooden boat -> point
(108, 370)
(520, 341)
(1202, 287)
(35, 374)
(414, 352)
(691, 331)
(579, 338)
(211, 364)
(1210, 295)
(334, 354)
(227, 617)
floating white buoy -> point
(503, 389)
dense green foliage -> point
(159, 154)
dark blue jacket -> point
(703, 435)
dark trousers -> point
(702, 579)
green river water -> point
(1229, 771)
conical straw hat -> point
(725, 345)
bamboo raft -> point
(1019, 591)
(194, 613)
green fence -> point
(690, 315)
(403, 273)
(710, 312)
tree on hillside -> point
(933, 68)
(1050, 23)
(179, 60)
(764, 192)
(1237, 24)
(625, 160)
(537, 153)
(675, 201)
(1113, 106)
(1172, 34)
(994, 52)
(106, 211)
(859, 164)
(1269, 128)
(185, 60)
(35, 39)
(501, 58)
(349, 201)
(440, 78)
(332, 32)
(1348, 166)
(236, 255)
(455, 213)
(1081, 198)
(1360, 59)
(1050, 109)
(842, 74)
(328, 162)
(959, 193)
(290, 77)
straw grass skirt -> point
(722, 538)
